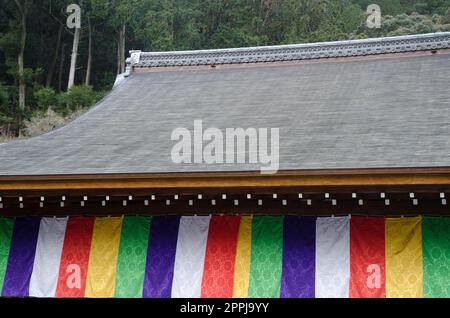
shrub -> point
(6, 137)
(4, 119)
(446, 17)
(42, 123)
(421, 7)
(4, 97)
(424, 27)
(99, 95)
(5, 108)
(45, 98)
(77, 97)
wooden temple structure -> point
(364, 129)
(356, 207)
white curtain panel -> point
(332, 257)
(190, 256)
(47, 258)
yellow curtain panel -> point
(404, 274)
(242, 264)
(101, 276)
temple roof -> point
(377, 103)
(295, 52)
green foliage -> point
(5, 105)
(396, 7)
(99, 95)
(80, 96)
(404, 24)
(45, 98)
(5, 119)
(155, 25)
(446, 17)
(6, 109)
(4, 96)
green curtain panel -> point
(6, 227)
(132, 257)
(266, 257)
(436, 256)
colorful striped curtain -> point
(225, 256)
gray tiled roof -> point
(356, 113)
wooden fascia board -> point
(299, 178)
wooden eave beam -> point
(307, 179)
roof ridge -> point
(291, 52)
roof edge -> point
(299, 178)
(372, 46)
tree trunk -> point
(73, 60)
(51, 70)
(20, 64)
(89, 61)
(61, 66)
(21, 81)
(121, 51)
(118, 56)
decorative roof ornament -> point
(262, 54)
(132, 60)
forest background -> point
(36, 94)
